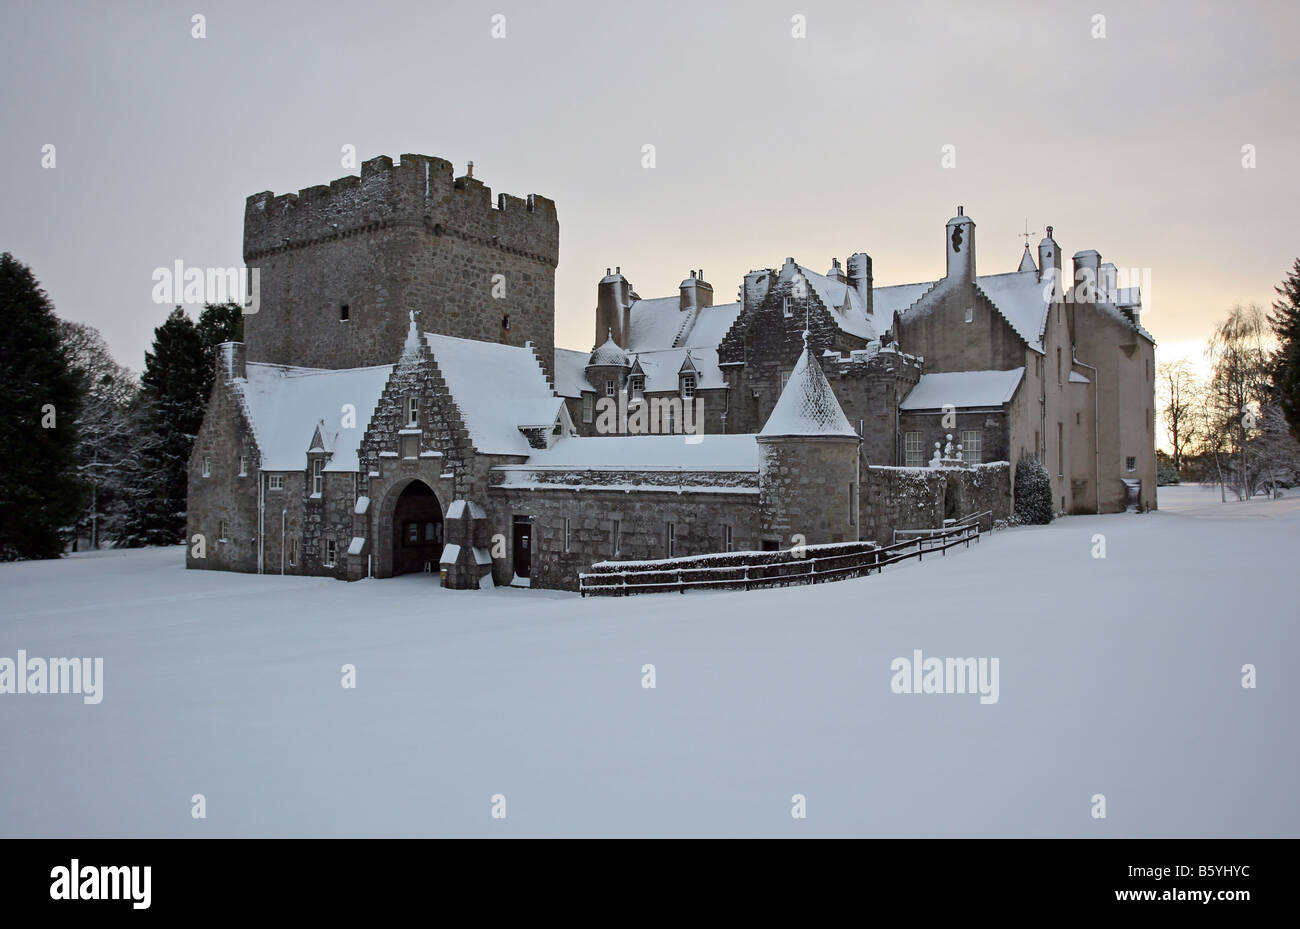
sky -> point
(766, 145)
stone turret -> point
(608, 362)
(808, 462)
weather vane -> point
(1026, 234)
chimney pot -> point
(961, 211)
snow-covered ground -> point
(1118, 676)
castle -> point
(399, 404)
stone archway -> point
(415, 538)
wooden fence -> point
(749, 570)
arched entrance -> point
(417, 530)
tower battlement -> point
(418, 191)
(343, 264)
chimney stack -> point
(960, 247)
(859, 278)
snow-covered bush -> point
(1033, 492)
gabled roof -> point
(661, 369)
(963, 389)
(496, 388)
(807, 405)
(287, 405)
(844, 302)
(571, 372)
(1022, 299)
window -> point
(588, 406)
(785, 379)
(611, 389)
(1148, 417)
(567, 533)
(275, 482)
(672, 539)
(1038, 366)
(786, 310)
(912, 456)
(1059, 373)
(972, 445)
(970, 314)
(1131, 463)
(688, 386)
(412, 411)
(853, 504)
(637, 386)
(617, 537)
(1060, 450)
(431, 531)
(293, 551)
(331, 552)
(243, 466)
(345, 313)
(221, 531)
(410, 446)
(207, 466)
(1078, 419)
(412, 534)
(317, 477)
(728, 542)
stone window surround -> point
(275, 482)
(972, 444)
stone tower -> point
(808, 462)
(341, 266)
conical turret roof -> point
(807, 405)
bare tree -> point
(1179, 399)
(1239, 388)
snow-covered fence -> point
(811, 564)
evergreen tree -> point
(166, 417)
(1285, 322)
(40, 495)
(1033, 492)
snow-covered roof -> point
(660, 323)
(844, 302)
(886, 301)
(1077, 378)
(497, 388)
(710, 326)
(608, 353)
(1022, 300)
(286, 405)
(963, 389)
(1027, 261)
(571, 372)
(661, 368)
(807, 405)
(737, 452)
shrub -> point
(1033, 492)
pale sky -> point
(766, 145)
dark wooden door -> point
(523, 545)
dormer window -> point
(317, 476)
(412, 411)
(636, 384)
(611, 388)
(688, 386)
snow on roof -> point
(655, 323)
(963, 389)
(608, 353)
(885, 301)
(571, 372)
(1027, 261)
(1021, 299)
(661, 368)
(844, 302)
(711, 326)
(497, 388)
(735, 452)
(1077, 378)
(807, 405)
(286, 404)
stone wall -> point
(699, 519)
(922, 498)
(992, 425)
(806, 488)
(225, 494)
(398, 238)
